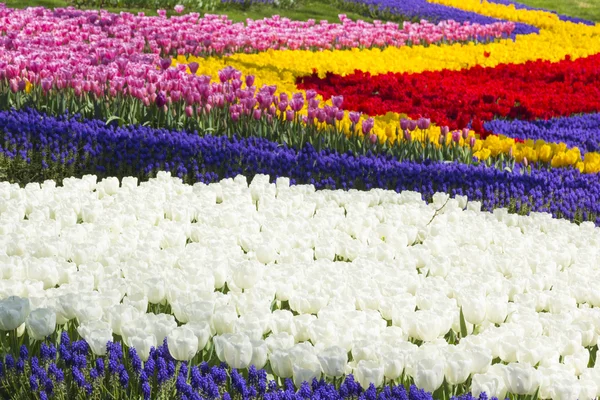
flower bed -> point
(261, 269)
(374, 256)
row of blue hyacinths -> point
(35, 147)
(70, 371)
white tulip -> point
(521, 379)
(161, 324)
(143, 345)
(41, 323)
(458, 367)
(367, 372)
(13, 312)
(259, 353)
(281, 363)
(489, 383)
(182, 343)
(97, 334)
(202, 332)
(224, 319)
(428, 374)
(333, 361)
(282, 340)
(234, 348)
(305, 368)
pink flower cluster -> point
(217, 35)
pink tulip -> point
(179, 8)
(189, 111)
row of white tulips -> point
(314, 282)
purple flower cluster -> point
(581, 131)
(94, 147)
(421, 9)
(520, 6)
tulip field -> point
(401, 209)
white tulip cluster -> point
(318, 283)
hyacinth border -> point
(90, 146)
(66, 369)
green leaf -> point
(463, 324)
(114, 118)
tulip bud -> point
(256, 114)
(250, 80)
(525, 162)
(472, 141)
(407, 135)
(373, 138)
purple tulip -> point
(456, 136)
(297, 104)
(282, 105)
(339, 115)
(21, 85)
(165, 63)
(289, 115)
(412, 125)
(193, 67)
(373, 138)
(354, 117)
(46, 84)
(161, 100)
(445, 130)
(312, 113)
(337, 101)
(367, 125)
(256, 114)
(404, 124)
(423, 123)
(407, 135)
(311, 94)
(321, 115)
(249, 80)
(313, 103)
(472, 141)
